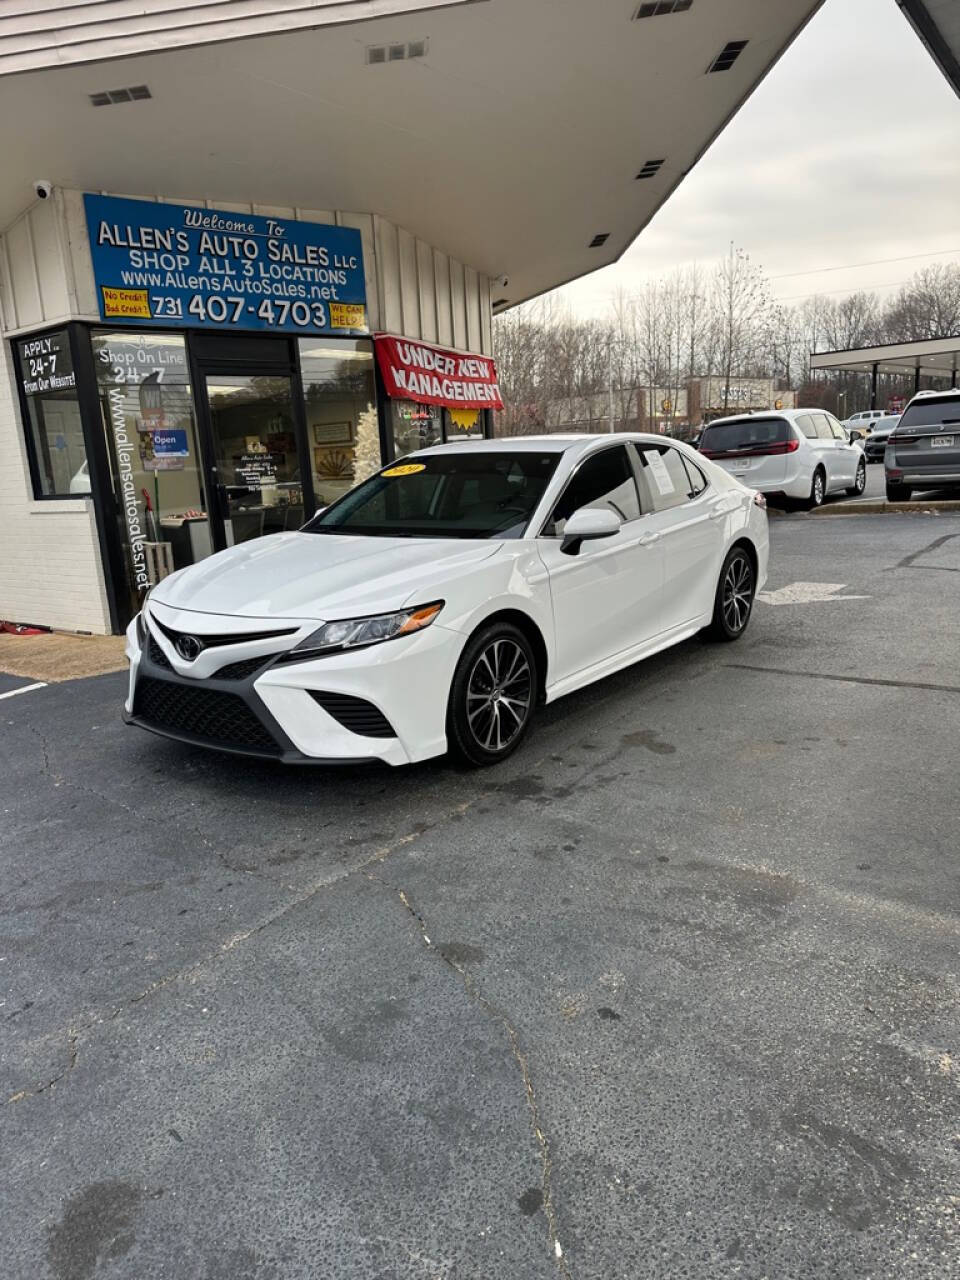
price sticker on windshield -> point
(406, 469)
(658, 469)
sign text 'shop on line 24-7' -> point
(186, 267)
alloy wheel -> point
(499, 694)
(861, 481)
(737, 593)
(818, 490)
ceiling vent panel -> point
(650, 169)
(600, 239)
(112, 97)
(398, 51)
(660, 7)
(727, 56)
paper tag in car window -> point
(658, 469)
(405, 469)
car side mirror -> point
(585, 526)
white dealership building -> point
(249, 251)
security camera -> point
(43, 189)
(500, 282)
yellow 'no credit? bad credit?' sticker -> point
(407, 469)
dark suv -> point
(923, 451)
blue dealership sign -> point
(183, 266)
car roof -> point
(761, 414)
(559, 443)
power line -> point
(823, 293)
(876, 262)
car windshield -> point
(481, 494)
(931, 413)
(743, 434)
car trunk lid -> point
(756, 449)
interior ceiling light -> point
(662, 6)
(110, 97)
(727, 56)
(598, 240)
(650, 168)
(396, 51)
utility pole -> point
(610, 385)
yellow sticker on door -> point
(406, 469)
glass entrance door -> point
(255, 457)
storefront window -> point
(340, 400)
(148, 415)
(415, 426)
(463, 424)
(54, 425)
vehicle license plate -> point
(941, 442)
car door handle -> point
(718, 513)
(648, 539)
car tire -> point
(898, 492)
(860, 482)
(736, 590)
(493, 695)
(818, 490)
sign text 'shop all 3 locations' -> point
(189, 267)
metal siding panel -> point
(441, 272)
(327, 216)
(275, 211)
(388, 273)
(8, 301)
(51, 273)
(363, 222)
(458, 304)
(78, 249)
(428, 292)
(26, 291)
(409, 293)
(472, 299)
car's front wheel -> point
(733, 602)
(493, 695)
(860, 480)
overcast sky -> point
(849, 152)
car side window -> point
(698, 481)
(836, 429)
(823, 426)
(807, 425)
(604, 482)
(664, 475)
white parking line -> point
(23, 689)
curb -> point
(877, 506)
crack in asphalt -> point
(378, 856)
(908, 561)
(821, 675)
(513, 1035)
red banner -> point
(432, 375)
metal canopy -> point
(934, 358)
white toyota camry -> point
(435, 605)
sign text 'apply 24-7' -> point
(188, 267)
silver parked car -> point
(923, 452)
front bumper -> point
(299, 712)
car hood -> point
(321, 576)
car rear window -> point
(930, 413)
(742, 434)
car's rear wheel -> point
(898, 492)
(860, 480)
(733, 603)
(818, 490)
(493, 695)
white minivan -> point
(803, 454)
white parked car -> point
(438, 603)
(867, 420)
(802, 454)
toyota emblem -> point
(189, 648)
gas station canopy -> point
(932, 358)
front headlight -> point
(359, 633)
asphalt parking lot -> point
(672, 993)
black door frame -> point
(225, 354)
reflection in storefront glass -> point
(462, 424)
(147, 405)
(340, 399)
(415, 426)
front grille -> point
(355, 714)
(157, 656)
(215, 641)
(241, 670)
(218, 718)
